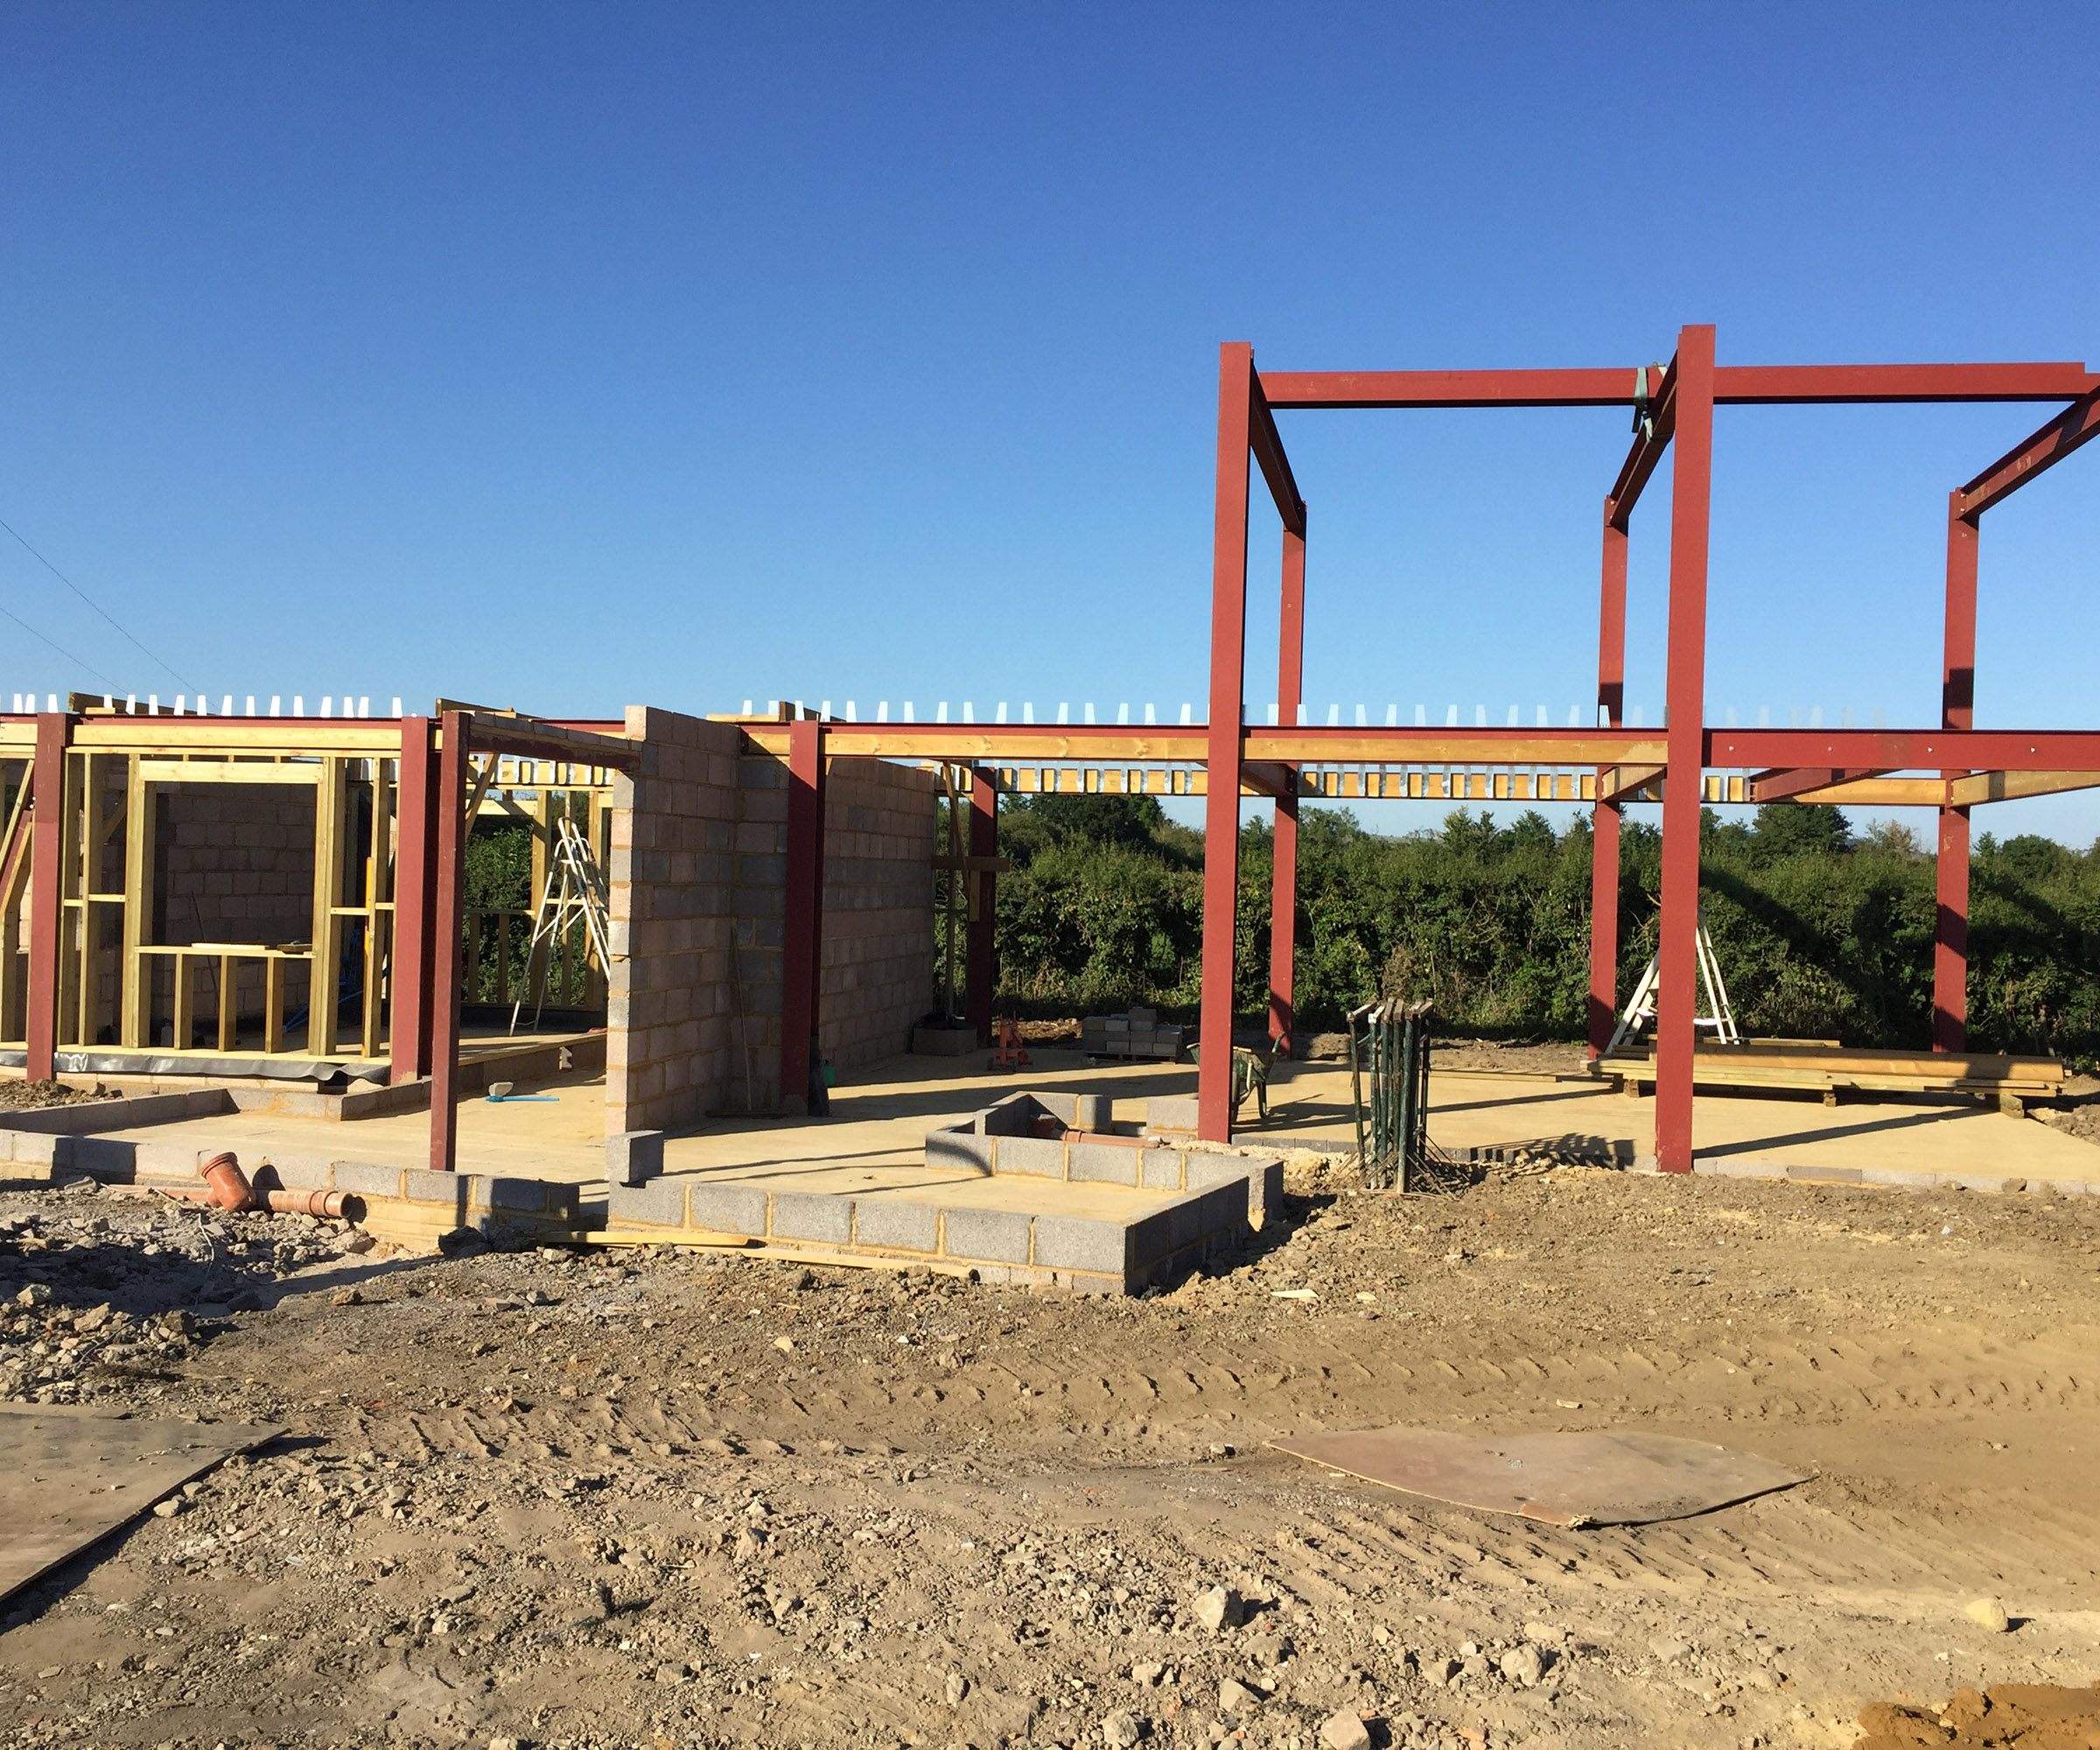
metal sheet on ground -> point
(68, 1477)
(1568, 1479)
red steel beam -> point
(1734, 386)
(1958, 712)
(1766, 385)
(2078, 424)
(1908, 749)
(448, 892)
(1224, 741)
(1778, 786)
(1678, 976)
(1648, 444)
(802, 944)
(1268, 444)
(1283, 885)
(1612, 387)
(47, 857)
(409, 981)
(1604, 839)
(981, 973)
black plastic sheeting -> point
(156, 1063)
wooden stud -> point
(273, 1002)
(135, 995)
(229, 1003)
(324, 978)
(184, 1033)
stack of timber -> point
(1826, 1068)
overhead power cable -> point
(56, 646)
(92, 603)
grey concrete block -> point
(1171, 1112)
(1837, 1175)
(1162, 1170)
(293, 1172)
(165, 1160)
(1060, 1105)
(660, 1203)
(998, 1235)
(1093, 1112)
(1151, 1239)
(959, 1150)
(36, 1148)
(1185, 1222)
(727, 1209)
(1896, 1175)
(420, 1185)
(890, 1224)
(1015, 1115)
(633, 1157)
(367, 1179)
(1036, 1157)
(521, 1194)
(1074, 1242)
(1725, 1168)
(1102, 1162)
(105, 1159)
(816, 1215)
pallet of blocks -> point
(1137, 1035)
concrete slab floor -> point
(880, 1115)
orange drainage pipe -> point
(229, 1187)
(329, 1203)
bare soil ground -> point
(643, 1497)
(1555, 1057)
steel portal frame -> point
(1673, 406)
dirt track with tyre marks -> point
(651, 1497)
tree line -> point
(1821, 933)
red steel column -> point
(1685, 750)
(46, 914)
(1604, 835)
(803, 949)
(1282, 885)
(408, 998)
(1958, 710)
(1224, 741)
(981, 974)
(448, 889)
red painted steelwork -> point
(1734, 385)
(448, 888)
(1958, 711)
(1676, 970)
(981, 975)
(802, 946)
(1604, 842)
(2079, 423)
(1776, 787)
(1282, 887)
(1613, 387)
(1908, 749)
(1223, 737)
(1810, 385)
(408, 982)
(47, 857)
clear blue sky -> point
(566, 358)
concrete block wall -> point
(233, 863)
(880, 827)
(699, 881)
(671, 995)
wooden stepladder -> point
(576, 888)
(1640, 1007)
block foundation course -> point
(1139, 1216)
(1905, 1179)
(407, 1206)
